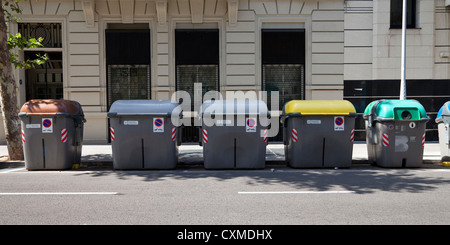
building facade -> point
(104, 50)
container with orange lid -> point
(50, 107)
(52, 133)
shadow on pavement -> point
(368, 180)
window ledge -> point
(407, 28)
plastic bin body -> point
(143, 135)
(228, 142)
(443, 121)
(318, 134)
(395, 133)
(52, 134)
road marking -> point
(56, 193)
(11, 170)
(296, 192)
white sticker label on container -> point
(401, 143)
(250, 125)
(33, 126)
(338, 123)
(313, 122)
(47, 125)
(223, 122)
(131, 123)
(158, 125)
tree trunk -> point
(9, 97)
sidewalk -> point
(192, 154)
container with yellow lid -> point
(319, 107)
(318, 133)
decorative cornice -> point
(232, 12)
(88, 7)
(161, 11)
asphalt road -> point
(280, 195)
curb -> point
(278, 163)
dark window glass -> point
(432, 94)
(197, 61)
(44, 81)
(128, 64)
(128, 47)
(283, 46)
(283, 67)
(396, 13)
(197, 47)
(283, 62)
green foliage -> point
(17, 41)
(10, 8)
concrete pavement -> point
(192, 154)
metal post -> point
(403, 64)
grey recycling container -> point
(234, 134)
(52, 133)
(318, 133)
(144, 134)
(443, 122)
(395, 132)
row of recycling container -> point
(145, 134)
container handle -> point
(372, 113)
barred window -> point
(207, 75)
(128, 64)
(50, 32)
(287, 79)
(283, 62)
(196, 61)
(44, 81)
(128, 82)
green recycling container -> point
(395, 132)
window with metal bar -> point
(283, 62)
(126, 82)
(196, 61)
(44, 81)
(188, 75)
(287, 79)
(50, 32)
(128, 64)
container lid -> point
(144, 108)
(319, 107)
(51, 107)
(396, 110)
(444, 111)
(234, 107)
